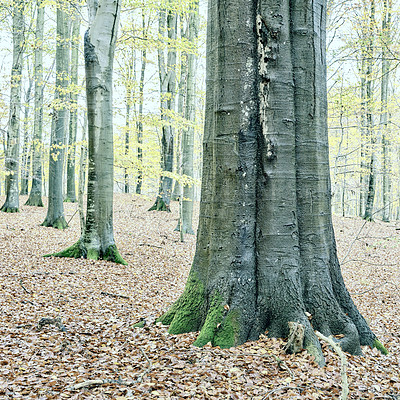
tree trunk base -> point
(221, 324)
(9, 209)
(59, 223)
(69, 200)
(79, 250)
(160, 205)
(186, 229)
(34, 200)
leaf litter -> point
(87, 347)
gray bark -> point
(25, 167)
(266, 251)
(55, 211)
(371, 137)
(167, 73)
(12, 151)
(384, 116)
(35, 195)
(187, 197)
(73, 120)
(97, 241)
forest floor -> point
(99, 302)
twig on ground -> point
(98, 382)
(73, 215)
(51, 321)
(281, 388)
(23, 287)
(343, 363)
(114, 295)
(143, 374)
(149, 245)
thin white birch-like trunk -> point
(35, 195)
(12, 151)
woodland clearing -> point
(99, 302)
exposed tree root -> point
(79, 250)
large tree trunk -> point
(35, 195)
(265, 251)
(187, 197)
(167, 71)
(73, 121)
(12, 152)
(97, 241)
(55, 211)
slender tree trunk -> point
(73, 120)
(266, 253)
(81, 183)
(25, 168)
(167, 72)
(371, 179)
(128, 100)
(98, 239)
(139, 124)
(35, 195)
(177, 192)
(187, 198)
(384, 117)
(55, 211)
(12, 152)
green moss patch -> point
(377, 344)
(185, 314)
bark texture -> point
(97, 241)
(167, 71)
(12, 151)
(187, 191)
(55, 212)
(73, 120)
(35, 195)
(266, 253)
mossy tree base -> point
(160, 205)
(59, 223)
(68, 200)
(35, 201)
(79, 250)
(8, 209)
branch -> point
(114, 295)
(343, 363)
(142, 375)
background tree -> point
(187, 190)
(35, 195)
(266, 251)
(55, 211)
(168, 19)
(97, 241)
(73, 119)
(12, 152)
